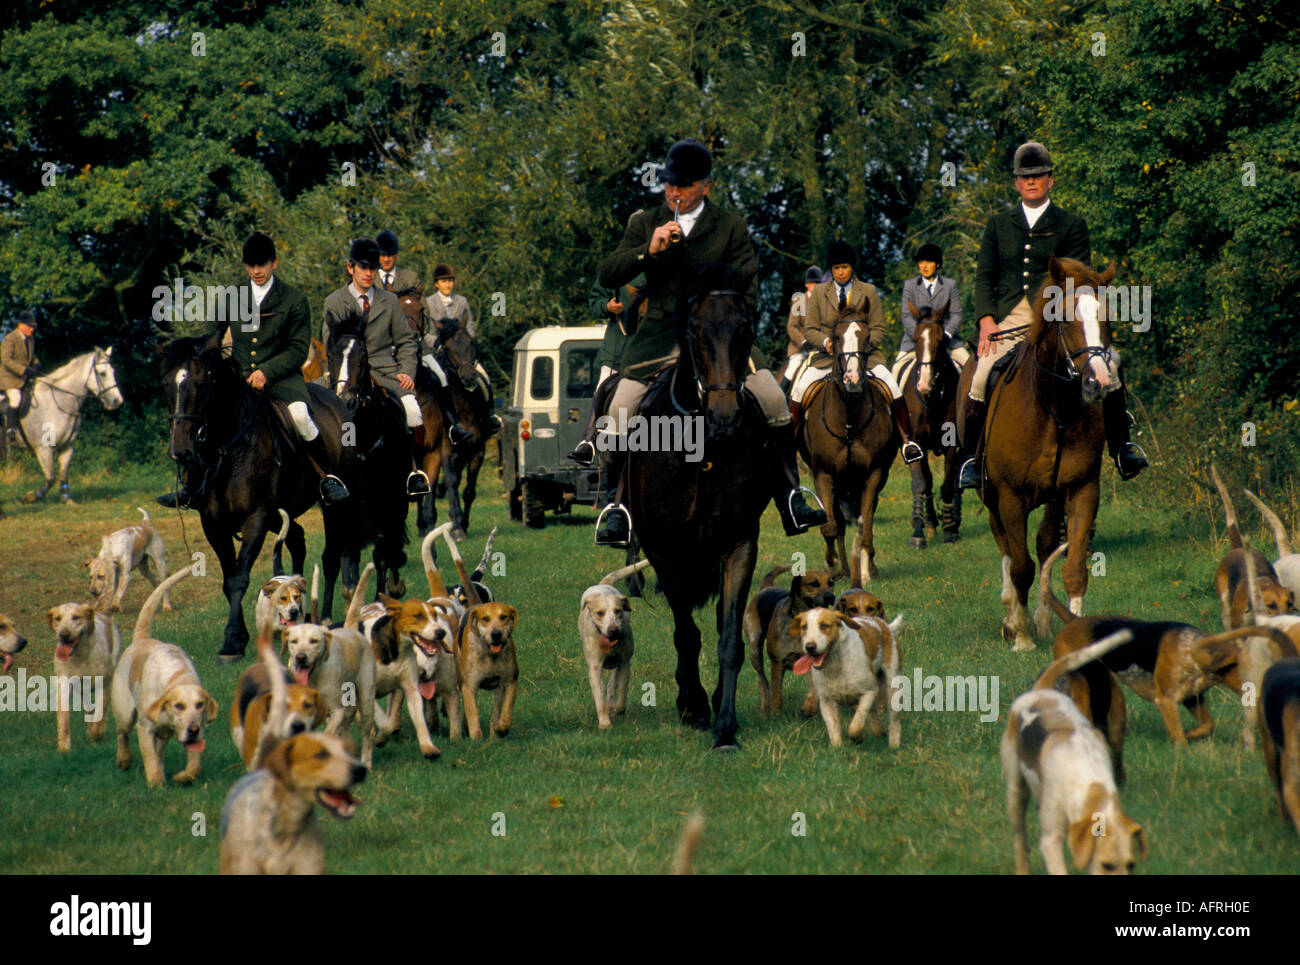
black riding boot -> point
(903, 420)
(614, 527)
(1129, 457)
(796, 515)
(584, 453)
(455, 432)
(970, 470)
(332, 489)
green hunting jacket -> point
(1013, 259)
(616, 338)
(718, 236)
(278, 339)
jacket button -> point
(1024, 273)
(254, 339)
(1026, 247)
(253, 353)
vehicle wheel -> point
(516, 505)
(534, 511)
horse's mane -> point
(209, 351)
(1083, 275)
(181, 350)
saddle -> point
(904, 369)
(1005, 367)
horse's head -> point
(1071, 307)
(456, 346)
(718, 336)
(348, 360)
(931, 346)
(188, 379)
(852, 345)
(102, 380)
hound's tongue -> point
(606, 644)
(195, 747)
(428, 688)
(9, 662)
(806, 663)
(302, 676)
(61, 652)
(342, 802)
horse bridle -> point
(99, 393)
(700, 387)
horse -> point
(380, 453)
(849, 440)
(1044, 437)
(315, 366)
(54, 417)
(456, 352)
(697, 520)
(930, 391)
(225, 433)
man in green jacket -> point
(270, 350)
(667, 243)
(1013, 258)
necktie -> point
(929, 288)
(388, 280)
(844, 298)
(365, 304)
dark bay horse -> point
(1044, 438)
(456, 352)
(225, 433)
(849, 441)
(698, 520)
(378, 453)
(930, 391)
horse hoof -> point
(872, 572)
(1023, 645)
(68, 501)
(930, 531)
(458, 534)
(696, 721)
(917, 542)
(226, 659)
(951, 537)
(32, 496)
(726, 748)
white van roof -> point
(553, 336)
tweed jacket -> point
(405, 282)
(389, 342)
(795, 321)
(435, 308)
(914, 293)
(718, 236)
(1013, 259)
(824, 316)
(16, 354)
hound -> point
(280, 601)
(120, 553)
(251, 709)
(605, 628)
(397, 630)
(87, 646)
(1230, 577)
(1050, 750)
(485, 656)
(1280, 734)
(156, 689)
(1287, 564)
(765, 625)
(11, 642)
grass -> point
(574, 799)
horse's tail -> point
(1234, 534)
(145, 514)
(471, 592)
(285, 523)
(1270, 517)
(769, 578)
(436, 586)
(1046, 598)
(487, 555)
(144, 622)
(352, 619)
(315, 593)
(1073, 661)
(623, 573)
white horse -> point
(51, 423)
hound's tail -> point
(692, 832)
(352, 619)
(1212, 654)
(487, 556)
(436, 587)
(315, 594)
(623, 573)
(1234, 534)
(769, 578)
(144, 622)
(1073, 661)
(470, 592)
(1270, 517)
(285, 523)
(274, 725)
(1045, 595)
(145, 514)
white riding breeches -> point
(307, 430)
(812, 374)
(432, 365)
(413, 417)
(15, 397)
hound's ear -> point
(277, 762)
(109, 351)
(513, 613)
(322, 712)
(1082, 842)
(268, 587)
(213, 708)
(89, 561)
(389, 601)
(1139, 837)
(842, 605)
(796, 626)
(155, 709)
(301, 583)
(329, 642)
(796, 585)
(625, 603)
(1056, 269)
(1108, 274)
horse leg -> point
(736, 575)
(471, 486)
(921, 489)
(692, 702)
(223, 546)
(866, 561)
(1081, 510)
(950, 496)
(45, 457)
(453, 470)
(65, 488)
(1017, 576)
(1053, 514)
(296, 541)
(432, 466)
(635, 582)
(834, 525)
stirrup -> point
(912, 452)
(459, 435)
(584, 453)
(969, 477)
(611, 533)
(801, 517)
(417, 483)
(1130, 460)
(332, 489)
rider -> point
(828, 300)
(270, 350)
(18, 366)
(667, 242)
(799, 349)
(399, 281)
(930, 290)
(390, 346)
(443, 303)
(1035, 230)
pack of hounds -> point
(292, 722)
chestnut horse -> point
(930, 391)
(1044, 438)
(849, 440)
(697, 515)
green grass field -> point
(572, 799)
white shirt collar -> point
(687, 220)
(357, 293)
(260, 291)
(1033, 214)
